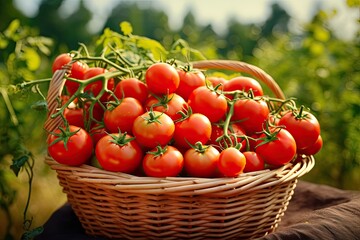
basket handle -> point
(55, 89)
(239, 66)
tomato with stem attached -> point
(170, 104)
(201, 160)
(121, 116)
(193, 127)
(119, 152)
(164, 161)
(302, 125)
(70, 145)
(153, 128)
(276, 146)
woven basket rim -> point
(184, 185)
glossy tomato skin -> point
(313, 149)
(251, 114)
(244, 84)
(173, 104)
(122, 117)
(60, 61)
(77, 70)
(215, 81)
(118, 157)
(197, 127)
(95, 87)
(132, 87)
(162, 78)
(231, 162)
(153, 133)
(75, 116)
(201, 164)
(189, 81)
(97, 132)
(168, 164)
(279, 151)
(306, 131)
(78, 150)
(254, 162)
(208, 102)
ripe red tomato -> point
(195, 128)
(96, 87)
(313, 149)
(215, 81)
(208, 102)
(131, 87)
(231, 162)
(73, 150)
(234, 128)
(280, 150)
(254, 162)
(97, 132)
(251, 114)
(170, 104)
(201, 161)
(77, 71)
(305, 128)
(60, 61)
(244, 84)
(118, 153)
(122, 117)
(162, 78)
(153, 128)
(163, 162)
(75, 116)
(189, 81)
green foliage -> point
(21, 58)
(323, 72)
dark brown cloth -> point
(315, 212)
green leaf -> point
(19, 163)
(158, 51)
(39, 105)
(32, 59)
(3, 42)
(12, 28)
(126, 28)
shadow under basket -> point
(123, 206)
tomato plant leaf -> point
(18, 164)
(126, 28)
(32, 59)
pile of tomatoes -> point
(176, 122)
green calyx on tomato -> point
(121, 139)
(64, 135)
(158, 151)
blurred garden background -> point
(314, 59)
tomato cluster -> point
(175, 121)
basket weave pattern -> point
(123, 206)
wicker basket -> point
(123, 206)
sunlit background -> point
(310, 47)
